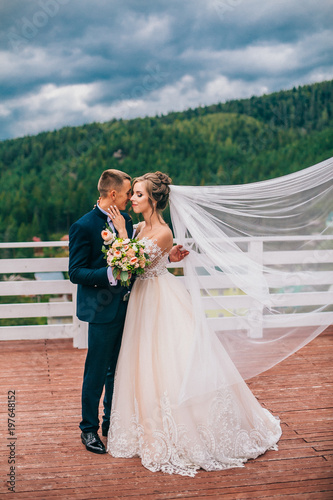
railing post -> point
(80, 328)
(255, 314)
(80, 333)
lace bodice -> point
(158, 259)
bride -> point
(217, 428)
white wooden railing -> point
(305, 284)
(53, 310)
(312, 287)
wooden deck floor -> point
(51, 462)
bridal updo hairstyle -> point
(158, 188)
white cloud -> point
(151, 28)
(4, 110)
(51, 107)
(182, 95)
(260, 58)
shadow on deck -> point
(51, 462)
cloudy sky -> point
(69, 62)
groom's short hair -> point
(111, 179)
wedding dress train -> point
(215, 430)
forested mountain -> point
(49, 180)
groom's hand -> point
(177, 253)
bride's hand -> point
(177, 253)
(118, 221)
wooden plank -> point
(34, 244)
(33, 265)
(279, 300)
(39, 310)
(36, 287)
(295, 279)
(283, 321)
(302, 257)
(30, 332)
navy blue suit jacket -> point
(97, 300)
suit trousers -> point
(104, 340)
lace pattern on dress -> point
(158, 259)
(218, 443)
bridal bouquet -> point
(126, 257)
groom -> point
(101, 301)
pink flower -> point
(133, 260)
(117, 254)
(141, 251)
(126, 247)
(106, 234)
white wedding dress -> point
(216, 430)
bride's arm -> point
(165, 240)
(177, 252)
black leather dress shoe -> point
(92, 442)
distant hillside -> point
(309, 107)
(49, 180)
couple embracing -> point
(139, 346)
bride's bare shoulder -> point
(165, 231)
(165, 237)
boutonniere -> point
(108, 235)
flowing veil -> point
(260, 270)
